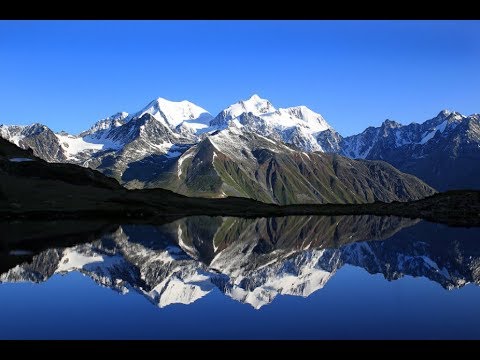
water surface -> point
(298, 277)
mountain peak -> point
(444, 113)
(173, 113)
(450, 116)
(104, 125)
(256, 105)
(391, 124)
(121, 115)
(310, 118)
(255, 97)
(163, 101)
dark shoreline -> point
(454, 208)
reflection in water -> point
(254, 260)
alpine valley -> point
(252, 149)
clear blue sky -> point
(68, 74)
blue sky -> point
(68, 74)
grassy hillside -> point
(250, 166)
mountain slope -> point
(233, 162)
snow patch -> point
(427, 136)
(16, 139)
(73, 260)
(177, 291)
(73, 145)
(442, 126)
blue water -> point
(353, 304)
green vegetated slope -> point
(232, 163)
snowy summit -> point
(297, 125)
(177, 113)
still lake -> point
(296, 277)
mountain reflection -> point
(254, 260)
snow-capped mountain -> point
(255, 260)
(296, 125)
(178, 115)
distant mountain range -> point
(251, 149)
(443, 151)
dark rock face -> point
(330, 140)
(37, 137)
(444, 151)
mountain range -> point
(252, 149)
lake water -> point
(297, 277)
